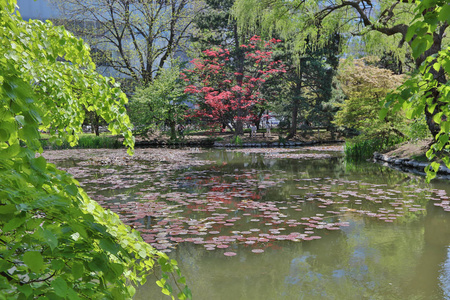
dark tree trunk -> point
(173, 132)
(440, 77)
(240, 57)
(95, 123)
(295, 106)
(239, 123)
(258, 121)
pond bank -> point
(404, 159)
(216, 144)
(229, 140)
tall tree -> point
(226, 96)
(161, 102)
(365, 85)
(136, 38)
(381, 25)
(311, 75)
(215, 26)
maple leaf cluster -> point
(229, 90)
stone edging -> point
(271, 144)
(210, 143)
(410, 165)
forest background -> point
(226, 66)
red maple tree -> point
(229, 90)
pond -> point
(293, 223)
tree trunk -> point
(95, 123)
(440, 77)
(97, 129)
(240, 57)
(258, 121)
(239, 124)
(173, 132)
(434, 127)
(293, 129)
(295, 106)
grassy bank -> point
(363, 149)
(86, 141)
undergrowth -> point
(86, 142)
(365, 148)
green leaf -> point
(444, 13)
(430, 154)
(13, 224)
(57, 264)
(7, 209)
(20, 119)
(383, 112)
(39, 164)
(109, 246)
(165, 291)
(4, 135)
(434, 166)
(420, 44)
(131, 290)
(443, 139)
(34, 260)
(142, 253)
(25, 289)
(12, 151)
(437, 66)
(412, 31)
(445, 126)
(4, 265)
(77, 270)
(48, 237)
(187, 292)
(72, 295)
(437, 118)
(98, 263)
(159, 283)
(432, 107)
(60, 286)
(117, 269)
(72, 189)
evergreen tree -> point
(215, 26)
(309, 80)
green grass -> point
(236, 140)
(86, 141)
(363, 149)
(422, 158)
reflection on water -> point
(379, 233)
(444, 276)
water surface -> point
(300, 224)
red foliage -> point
(228, 94)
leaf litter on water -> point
(162, 195)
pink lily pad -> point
(257, 250)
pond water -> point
(284, 223)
